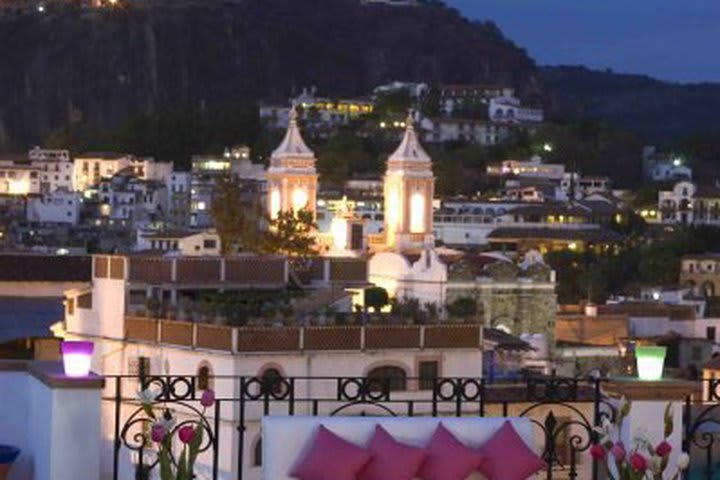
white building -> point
(316, 113)
(59, 206)
(448, 129)
(690, 204)
(206, 170)
(454, 98)
(508, 109)
(534, 168)
(55, 168)
(188, 243)
(660, 167)
(91, 167)
(18, 179)
(583, 185)
(177, 186)
(149, 169)
(126, 344)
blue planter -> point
(8, 454)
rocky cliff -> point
(101, 67)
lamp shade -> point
(76, 357)
(650, 362)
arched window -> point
(257, 453)
(708, 289)
(204, 376)
(395, 377)
(272, 380)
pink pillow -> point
(391, 459)
(508, 457)
(448, 459)
(331, 458)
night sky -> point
(673, 40)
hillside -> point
(101, 68)
(660, 112)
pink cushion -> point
(391, 459)
(508, 457)
(331, 458)
(448, 459)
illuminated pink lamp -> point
(76, 357)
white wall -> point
(57, 429)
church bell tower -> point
(409, 187)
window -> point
(428, 372)
(209, 244)
(395, 377)
(139, 366)
(710, 333)
(272, 381)
(204, 374)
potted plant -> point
(8, 455)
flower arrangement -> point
(190, 434)
(641, 460)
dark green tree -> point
(376, 298)
(228, 213)
(290, 233)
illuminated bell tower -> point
(291, 178)
(409, 186)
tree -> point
(376, 298)
(462, 307)
(228, 213)
(290, 233)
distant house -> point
(689, 203)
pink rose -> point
(186, 433)
(597, 452)
(207, 399)
(157, 433)
(638, 462)
(618, 451)
(664, 449)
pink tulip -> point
(638, 462)
(618, 451)
(597, 452)
(664, 449)
(207, 399)
(157, 433)
(186, 433)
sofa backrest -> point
(286, 439)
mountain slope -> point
(103, 67)
(659, 111)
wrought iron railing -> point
(562, 410)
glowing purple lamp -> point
(76, 357)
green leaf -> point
(668, 420)
(148, 410)
(165, 466)
(195, 448)
(182, 471)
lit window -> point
(299, 199)
(274, 203)
(417, 213)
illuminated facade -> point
(18, 179)
(408, 187)
(292, 179)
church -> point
(403, 258)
